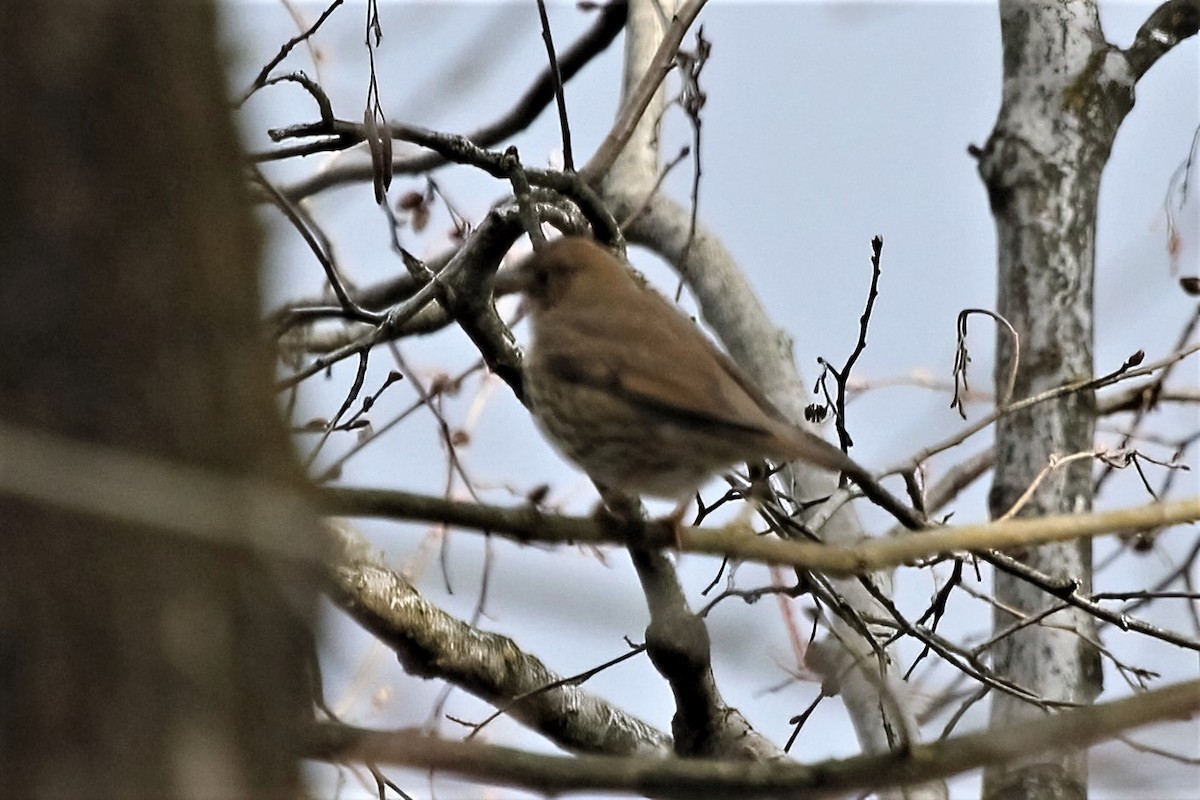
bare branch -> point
(636, 104)
(526, 523)
(1167, 26)
(689, 778)
(432, 644)
(525, 110)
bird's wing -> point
(659, 359)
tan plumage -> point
(629, 389)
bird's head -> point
(570, 270)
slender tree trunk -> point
(136, 660)
(1063, 100)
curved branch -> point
(433, 644)
(464, 289)
(532, 103)
(687, 778)
(678, 644)
(1167, 26)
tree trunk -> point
(136, 659)
(1064, 97)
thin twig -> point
(1043, 397)
(352, 310)
(962, 359)
(261, 80)
(559, 98)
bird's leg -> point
(625, 513)
(761, 498)
(618, 507)
(760, 489)
(674, 521)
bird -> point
(629, 389)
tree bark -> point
(136, 660)
(1065, 93)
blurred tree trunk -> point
(1065, 94)
(136, 659)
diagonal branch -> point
(540, 93)
(1167, 26)
(432, 644)
(688, 778)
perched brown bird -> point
(629, 389)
